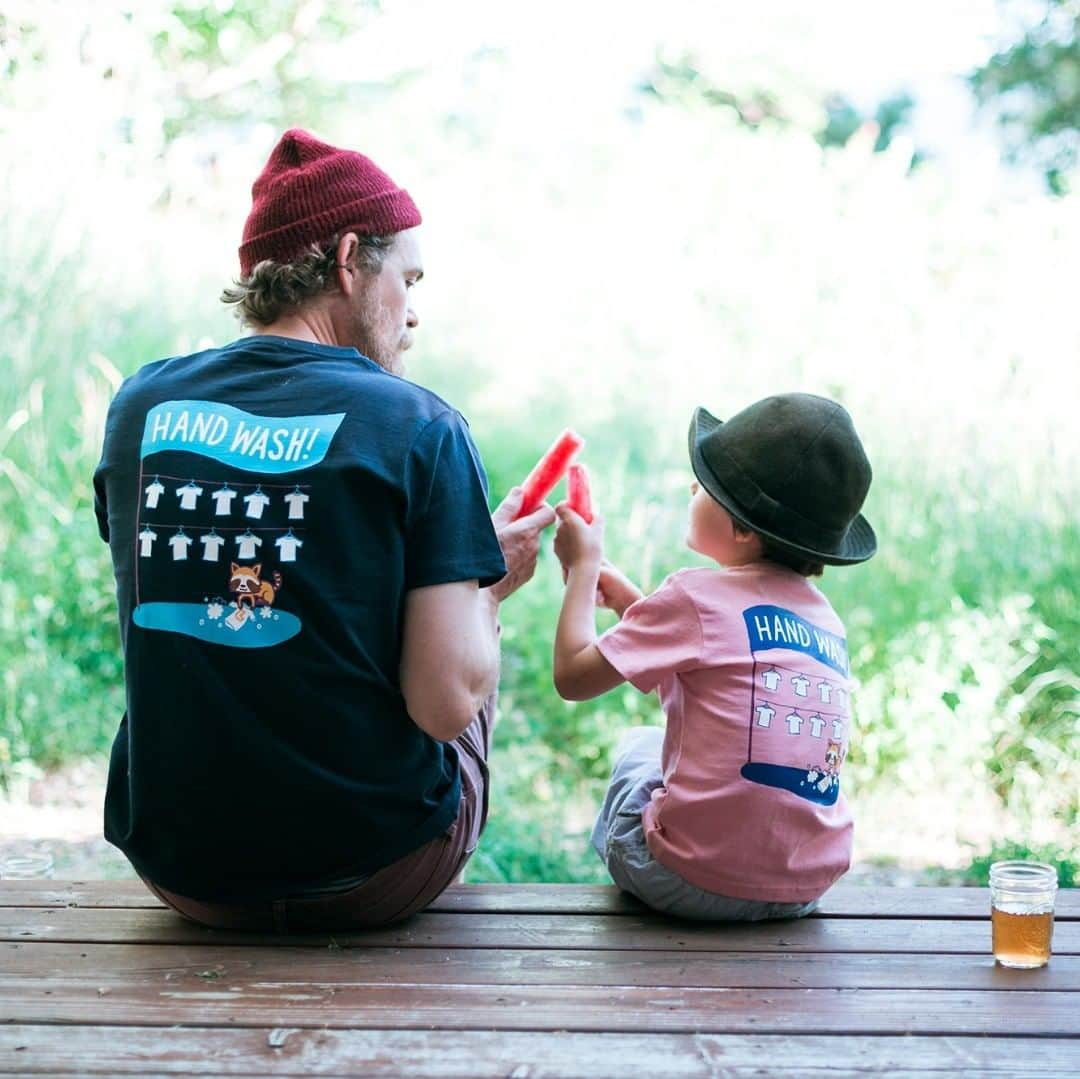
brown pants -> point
(388, 895)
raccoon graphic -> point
(827, 776)
(250, 590)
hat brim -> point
(859, 542)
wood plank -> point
(286, 1051)
(855, 901)
(845, 900)
(842, 901)
(572, 931)
(133, 968)
(77, 893)
(626, 1009)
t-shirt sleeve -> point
(101, 511)
(449, 534)
(101, 506)
(658, 636)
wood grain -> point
(132, 965)
(429, 1054)
(626, 1009)
(843, 901)
(545, 931)
(531, 981)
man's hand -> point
(520, 541)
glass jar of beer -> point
(1022, 912)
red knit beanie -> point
(309, 190)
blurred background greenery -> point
(626, 214)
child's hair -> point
(771, 551)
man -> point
(308, 582)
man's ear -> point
(347, 270)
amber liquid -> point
(1021, 940)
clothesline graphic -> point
(230, 483)
(247, 542)
(798, 710)
(798, 717)
(802, 684)
(765, 667)
(224, 496)
(212, 537)
(807, 720)
(215, 528)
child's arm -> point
(616, 591)
(580, 671)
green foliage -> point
(243, 54)
(1033, 85)
(681, 81)
(58, 636)
(557, 298)
(1068, 868)
(685, 82)
(843, 120)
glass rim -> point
(35, 858)
(1023, 876)
(26, 866)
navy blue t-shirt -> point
(268, 505)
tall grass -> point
(941, 317)
(963, 631)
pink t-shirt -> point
(752, 669)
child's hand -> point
(615, 590)
(578, 545)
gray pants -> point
(619, 839)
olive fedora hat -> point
(791, 468)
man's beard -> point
(374, 336)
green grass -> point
(1068, 868)
(964, 630)
(789, 270)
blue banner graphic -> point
(775, 627)
(193, 620)
(268, 444)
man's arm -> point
(450, 655)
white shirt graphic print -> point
(296, 502)
(771, 679)
(153, 493)
(247, 544)
(146, 542)
(188, 496)
(256, 503)
(211, 546)
(223, 500)
(288, 546)
(180, 544)
(764, 713)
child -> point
(735, 811)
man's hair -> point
(771, 551)
(272, 289)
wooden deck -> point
(529, 981)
